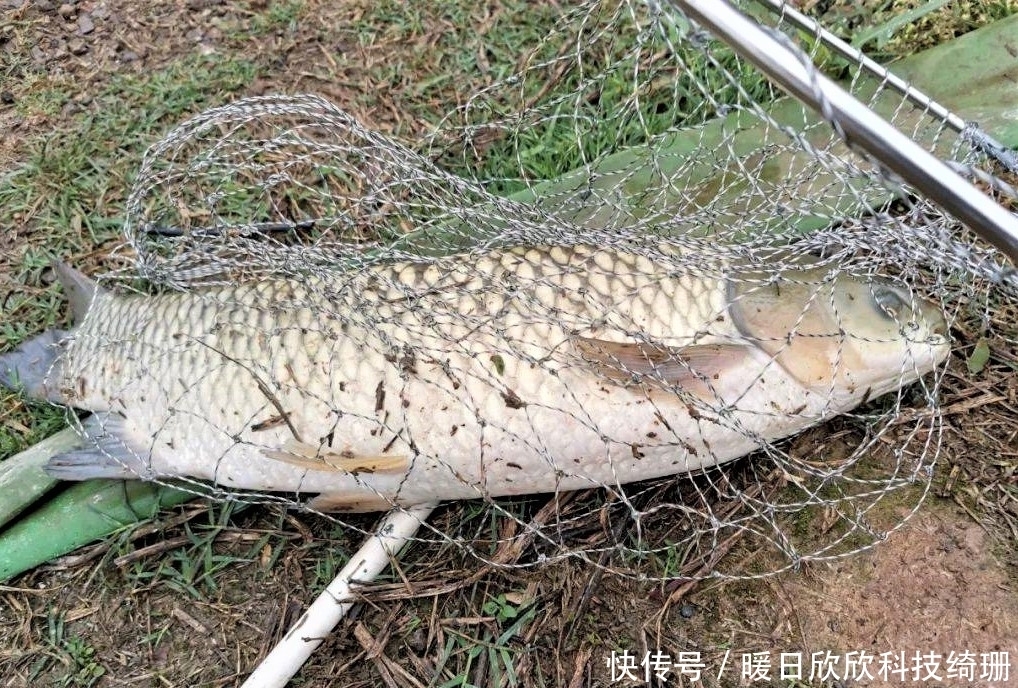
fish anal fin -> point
(318, 459)
(698, 369)
(108, 453)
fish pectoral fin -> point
(318, 459)
(107, 454)
(698, 369)
(349, 503)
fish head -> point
(853, 337)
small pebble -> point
(687, 611)
(128, 56)
(6, 97)
(417, 641)
(77, 46)
(85, 25)
(66, 10)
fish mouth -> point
(934, 316)
(939, 331)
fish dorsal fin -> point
(698, 369)
(80, 289)
(318, 459)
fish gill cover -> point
(688, 299)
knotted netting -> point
(629, 278)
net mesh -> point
(629, 259)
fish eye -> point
(889, 303)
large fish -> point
(514, 371)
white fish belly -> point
(468, 425)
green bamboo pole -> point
(81, 514)
(22, 480)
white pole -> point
(859, 125)
(311, 629)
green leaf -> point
(499, 364)
(979, 357)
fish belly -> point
(467, 423)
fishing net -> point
(631, 160)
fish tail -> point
(33, 367)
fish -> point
(504, 371)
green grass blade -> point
(885, 32)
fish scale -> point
(519, 370)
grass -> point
(488, 650)
(67, 198)
(889, 29)
(193, 568)
(400, 67)
(75, 181)
(71, 652)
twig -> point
(155, 548)
(508, 552)
(579, 667)
(162, 230)
(387, 667)
(311, 629)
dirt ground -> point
(198, 598)
(945, 586)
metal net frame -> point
(629, 134)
